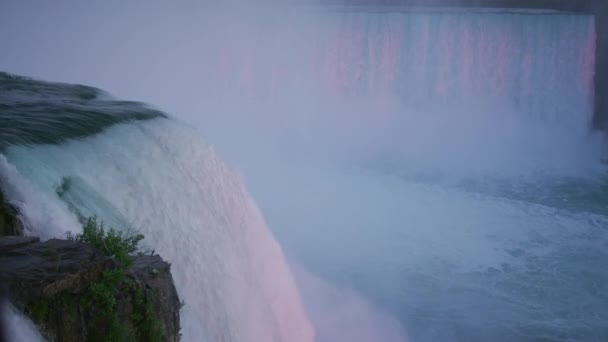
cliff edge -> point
(89, 287)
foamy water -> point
(435, 171)
(194, 211)
(18, 327)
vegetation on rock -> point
(101, 296)
(117, 244)
(93, 286)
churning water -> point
(431, 175)
(441, 163)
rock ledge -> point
(52, 282)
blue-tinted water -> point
(470, 201)
(438, 163)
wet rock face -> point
(153, 275)
(60, 285)
(9, 222)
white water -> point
(363, 166)
(18, 327)
(194, 211)
(453, 265)
(320, 110)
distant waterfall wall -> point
(539, 65)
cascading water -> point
(424, 58)
(440, 163)
(159, 177)
(20, 328)
(456, 93)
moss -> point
(147, 326)
(39, 310)
(102, 297)
(68, 304)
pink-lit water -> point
(378, 145)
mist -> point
(343, 165)
(285, 81)
(160, 54)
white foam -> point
(449, 262)
(18, 327)
(341, 314)
(40, 212)
(193, 210)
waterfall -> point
(540, 65)
(159, 177)
(18, 327)
(440, 162)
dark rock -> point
(9, 221)
(9, 243)
(52, 282)
(154, 275)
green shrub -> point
(147, 326)
(102, 295)
(121, 246)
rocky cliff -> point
(75, 292)
(63, 286)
